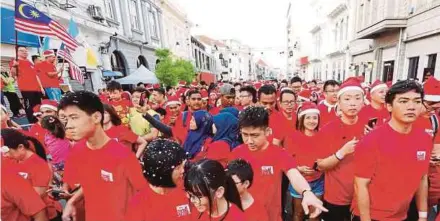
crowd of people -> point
(333, 151)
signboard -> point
(8, 31)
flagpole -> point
(16, 51)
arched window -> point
(118, 62)
(142, 61)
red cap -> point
(432, 89)
(173, 100)
(49, 104)
(377, 85)
(308, 108)
(305, 95)
(149, 86)
(194, 84)
(155, 86)
(182, 83)
(204, 94)
(350, 84)
(48, 53)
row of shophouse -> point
(124, 34)
(378, 39)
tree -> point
(169, 71)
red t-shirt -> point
(268, 166)
(108, 176)
(218, 150)
(37, 172)
(233, 214)
(147, 205)
(122, 108)
(425, 124)
(305, 150)
(368, 112)
(327, 114)
(43, 69)
(39, 133)
(278, 125)
(122, 134)
(19, 200)
(27, 76)
(180, 129)
(215, 110)
(339, 180)
(256, 212)
(389, 158)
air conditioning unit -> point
(96, 12)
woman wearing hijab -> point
(226, 135)
(199, 134)
(232, 110)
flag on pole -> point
(75, 71)
(73, 30)
(30, 20)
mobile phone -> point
(372, 122)
(142, 101)
(315, 166)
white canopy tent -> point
(142, 74)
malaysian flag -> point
(30, 20)
(75, 71)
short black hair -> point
(313, 81)
(242, 169)
(191, 92)
(267, 89)
(168, 88)
(284, 81)
(113, 86)
(159, 160)
(34, 57)
(160, 91)
(401, 87)
(161, 111)
(139, 84)
(251, 90)
(331, 83)
(237, 84)
(85, 101)
(254, 117)
(140, 90)
(203, 83)
(295, 79)
(287, 92)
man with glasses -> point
(248, 96)
(288, 106)
(327, 107)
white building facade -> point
(176, 30)
(403, 38)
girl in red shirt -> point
(33, 167)
(212, 192)
(114, 129)
(226, 131)
(302, 145)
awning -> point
(8, 31)
(108, 73)
(140, 75)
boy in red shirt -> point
(383, 153)
(107, 172)
(122, 106)
(227, 98)
(337, 141)
(49, 75)
(248, 96)
(327, 107)
(270, 162)
(163, 198)
(28, 82)
(243, 175)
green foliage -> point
(169, 71)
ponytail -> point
(231, 192)
(54, 126)
(39, 149)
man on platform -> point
(49, 75)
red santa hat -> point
(48, 53)
(204, 94)
(257, 85)
(432, 89)
(182, 83)
(173, 100)
(156, 86)
(49, 104)
(308, 108)
(194, 84)
(351, 84)
(377, 85)
(149, 86)
(305, 95)
(36, 110)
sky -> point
(260, 24)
